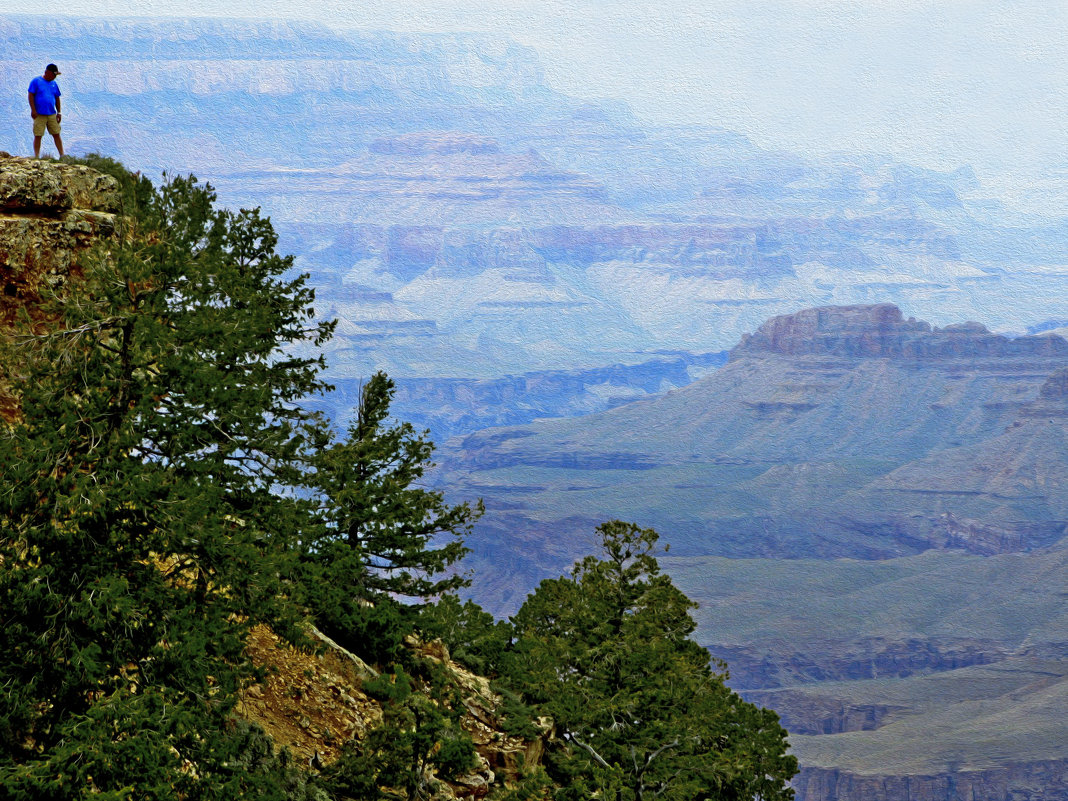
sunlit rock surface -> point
(50, 213)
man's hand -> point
(33, 114)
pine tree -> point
(386, 544)
(149, 499)
(639, 711)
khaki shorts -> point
(40, 122)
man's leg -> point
(37, 146)
(59, 144)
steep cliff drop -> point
(51, 215)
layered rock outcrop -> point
(49, 214)
(811, 713)
(859, 659)
(832, 432)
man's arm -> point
(33, 108)
(58, 115)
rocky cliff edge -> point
(50, 212)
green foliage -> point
(163, 491)
(149, 502)
(517, 717)
(639, 711)
(257, 755)
(420, 732)
(532, 784)
(480, 642)
(474, 637)
(384, 544)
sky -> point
(939, 83)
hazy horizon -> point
(942, 85)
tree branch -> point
(597, 757)
(649, 759)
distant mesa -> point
(881, 331)
(846, 431)
(435, 144)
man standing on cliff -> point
(44, 109)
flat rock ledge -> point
(35, 186)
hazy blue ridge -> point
(449, 407)
(462, 220)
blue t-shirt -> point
(44, 95)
